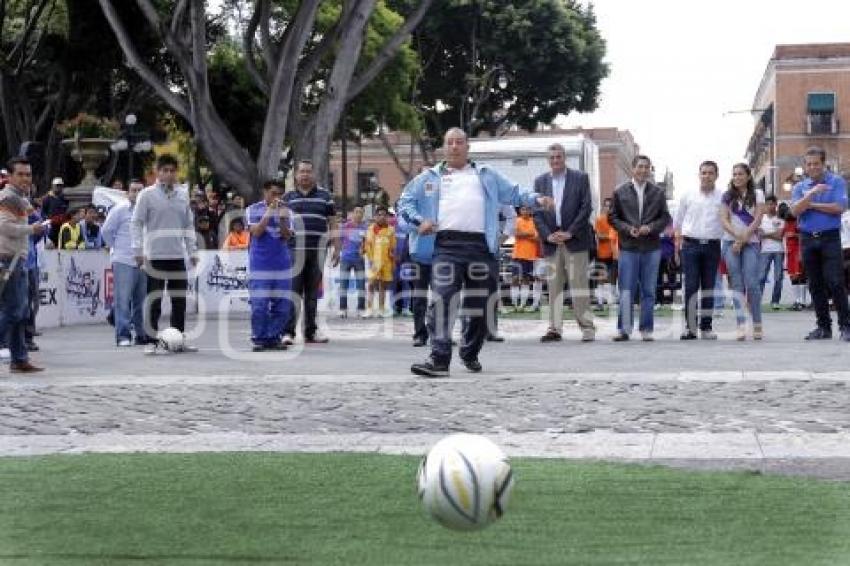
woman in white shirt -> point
(741, 213)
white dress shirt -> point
(698, 215)
(461, 201)
(558, 183)
(640, 188)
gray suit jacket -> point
(624, 216)
(575, 207)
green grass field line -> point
(253, 508)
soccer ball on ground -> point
(171, 340)
(465, 482)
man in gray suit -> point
(566, 236)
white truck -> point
(521, 159)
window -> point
(367, 185)
(820, 118)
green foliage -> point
(550, 52)
(238, 100)
(388, 100)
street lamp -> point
(129, 143)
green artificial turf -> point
(362, 509)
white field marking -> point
(594, 445)
(459, 375)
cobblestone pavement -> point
(360, 384)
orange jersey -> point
(236, 241)
(607, 248)
(526, 247)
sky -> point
(677, 68)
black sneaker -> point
(430, 369)
(621, 337)
(495, 338)
(688, 336)
(472, 365)
(551, 336)
(419, 342)
(819, 334)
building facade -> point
(372, 171)
(803, 100)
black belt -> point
(822, 234)
(699, 241)
(456, 236)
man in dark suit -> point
(639, 215)
(566, 236)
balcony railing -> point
(821, 125)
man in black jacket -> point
(639, 215)
(567, 238)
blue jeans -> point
(699, 264)
(33, 283)
(270, 308)
(744, 279)
(14, 310)
(131, 286)
(359, 269)
(823, 260)
(777, 259)
(637, 268)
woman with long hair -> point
(743, 207)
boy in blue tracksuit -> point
(456, 206)
(269, 262)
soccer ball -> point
(465, 482)
(171, 340)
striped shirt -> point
(311, 214)
(14, 231)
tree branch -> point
(388, 51)
(312, 61)
(134, 60)
(280, 93)
(382, 135)
(250, 57)
(179, 14)
(264, 8)
(19, 51)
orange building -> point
(803, 100)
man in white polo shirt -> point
(459, 201)
(698, 233)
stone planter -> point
(90, 153)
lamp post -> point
(132, 142)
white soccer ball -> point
(171, 340)
(465, 482)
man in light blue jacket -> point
(456, 203)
